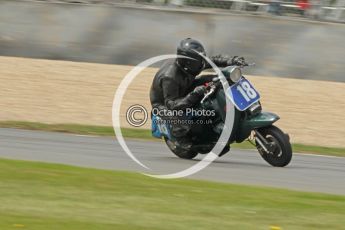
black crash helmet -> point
(191, 48)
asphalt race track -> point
(305, 173)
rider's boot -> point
(184, 143)
(225, 150)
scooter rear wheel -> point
(184, 154)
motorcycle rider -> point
(175, 86)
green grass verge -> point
(146, 134)
(40, 196)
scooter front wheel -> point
(278, 151)
(184, 154)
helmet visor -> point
(195, 65)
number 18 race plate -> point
(243, 94)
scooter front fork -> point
(263, 143)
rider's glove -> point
(199, 91)
(221, 60)
(236, 60)
(196, 95)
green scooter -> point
(250, 122)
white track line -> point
(317, 155)
(303, 154)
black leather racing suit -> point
(172, 89)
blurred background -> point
(284, 38)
